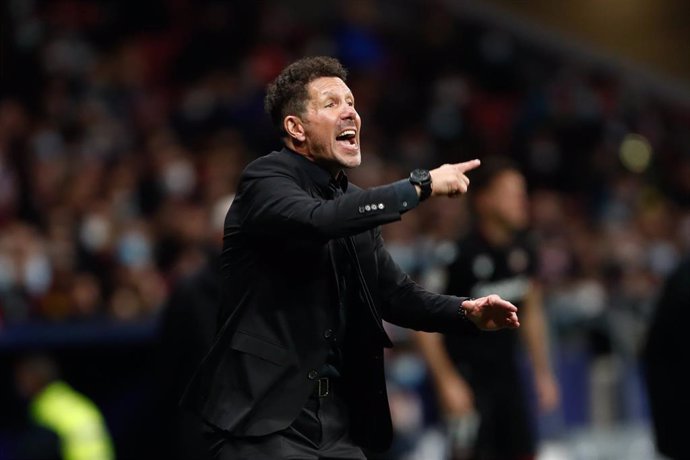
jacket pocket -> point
(260, 348)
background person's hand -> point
(548, 394)
(450, 179)
(491, 313)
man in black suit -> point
(296, 370)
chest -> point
(483, 271)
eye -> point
(351, 103)
(330, 104)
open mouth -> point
(348, 136)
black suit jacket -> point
(279, 296)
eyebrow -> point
(329, 93)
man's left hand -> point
(491, 313)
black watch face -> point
(421, 175)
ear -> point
(294, 128)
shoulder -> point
(274, 161)
(276, 165)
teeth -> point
(347, 134)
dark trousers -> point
(321, 431)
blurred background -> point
(124, 127)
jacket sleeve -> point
(405, 303)
(272, 203)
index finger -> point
(468, 165)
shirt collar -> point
(320, 176)
(340, 181)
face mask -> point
(134, 249)
(38, 274)
(94, 232)
(179, 178)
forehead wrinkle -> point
(329, 84)
(326, 93)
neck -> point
(303, 150)
(298, 147)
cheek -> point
(321, 136)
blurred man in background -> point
(57, 407)
(188, 325)
(479, 390)
(187, 330)
(666, 356)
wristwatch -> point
(462, 311)
(422, 178)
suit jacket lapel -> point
(352, 252)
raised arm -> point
(271, 202)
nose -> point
(349, 113)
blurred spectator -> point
(188, 326)
(187, 331)
(56, 406)
(665, 352)
(27, 276)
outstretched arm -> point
(271, 202)
(407, 304)
(454, 393)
